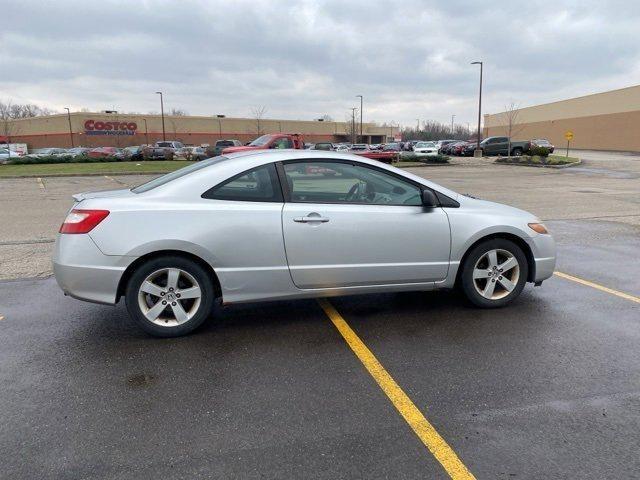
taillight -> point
(82, 221)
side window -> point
(334, 182)
(256, 185)
(283, 142)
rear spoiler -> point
(78, 197)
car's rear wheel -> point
(169, 296)
(494, 273)
(517, 152)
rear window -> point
(169, 177)
(224, 143)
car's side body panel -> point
(351, 248)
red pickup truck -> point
(295, 141)
(271, 140)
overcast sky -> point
(410, 59)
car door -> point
(349, 224)
(501, 146)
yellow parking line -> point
(40, 183)
(602, 288)
(1, 317)
(420, 425)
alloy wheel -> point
(496, 274)
(169, 297)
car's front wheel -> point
(169, 296)
(494, 273)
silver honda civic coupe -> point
(287, 224)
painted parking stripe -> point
(597, 286)
(416, 420)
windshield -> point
(260, 141)
(169, 177)
(425, 144)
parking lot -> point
(406, 385)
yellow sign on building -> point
(568, 135)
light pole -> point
(69, 120)
(353, 124)
(162, 114)
(361, 100)
(477, 153)
(452, 117)
(417, 125)
(146, 130)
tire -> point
(517, 152)
(507, 285)
(185, 310)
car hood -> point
(494, 207)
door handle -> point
(311, 219)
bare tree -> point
(178, 112)
(326, 118)
(433, 130)
(351, 126)
(511, 125)
(258, 113)
(7, 125)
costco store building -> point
(121, 130)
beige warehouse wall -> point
(616, 132)
(624, 100)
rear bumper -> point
(84, 272)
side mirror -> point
(429, 199)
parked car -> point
(77, 151)
(326, 146)
(341, 148)
(161, 150)
(457, 148)
(186, 245)
(220, 145)
(134, 153)
(309, 146)
(422, 149)
(191, 153)
(392, 147)
(271, 141)
(443, 143)
(359, 146)
(469, 149)
(6, 155)
(173, 144)
(543, 142)
(102, 152)
(47, 152)
(500, 146)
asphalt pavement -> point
(546, 388)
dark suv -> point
(215, 150)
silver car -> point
(290, 224)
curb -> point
(45, 175)
(566, 165)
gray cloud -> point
(410, 59)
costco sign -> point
(98, 127)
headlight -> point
(538, 227)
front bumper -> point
(84, 272)
(543, 248)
